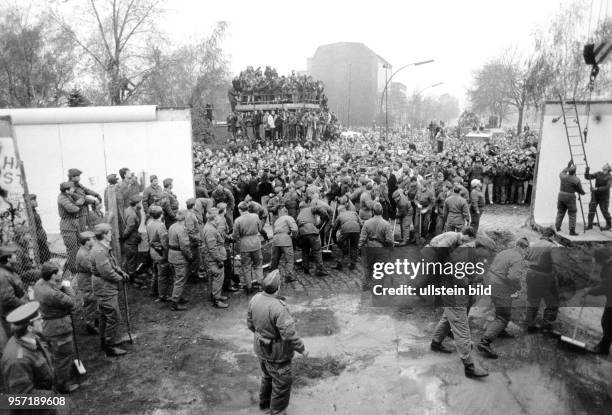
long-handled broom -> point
(571, 342)
(78, 364)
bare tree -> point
(116, 35)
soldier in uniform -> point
(310, 241)
(600, 195)
(504, 277)
(247, 228)
(80, 191)
(566, 202)
(131, 236)
(157, 235)
(275, 342)
(57, 303)
(215, 254)
(169, 203)
(376, 231)
(404, 212)
(179, 257)
(194, 231)
(477, 203)
(69, 208)
(223, 195)
(84, 282)
(106, 277)
(11, 290)
(152, 195)
(456, 211)
(41, 235)
(285, 229)
(349, 225)
(231, 281)
(26, 362)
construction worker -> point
(169, 203)
(152, 195)
(130, 236)
(247, 228)
(11, 290)
(310, 241)
(84, 282)
(566, 202)
(57, 303)
(456, 211)
(349, 225)
(541, 282)
(275, 343)
(26, 362)
(477, 203)
(600, 195)
(69, 206)
(106, 278)
(376, 232)
(157, 235)
(504, 277)
(195, 238)
(603, 256)
(285, 229)
(215, 254)
(179, 257)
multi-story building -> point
(354, 78)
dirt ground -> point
(363, 360)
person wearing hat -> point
(152, 195)
(57, 303)
(114, 207)
(224, 195)
(504, 277)
(131, 236)
(231, 281)
(603, 256)
(80, 191)
(215, 254)
(11, 289)
(291, 200)
(194, 231)
(179, 256)
(376, 232)
(456, 212)
(285, 230)
(83, 274)
(274, 203)
(246, 231)
(309, 238)
(128, 187)
(566, 201)
(41, 235)
(275, 342)
(349, 224)
(106, 277)
(477, 203)
(69, 206)
(600, 195)
(169, 203)
(157, 235)
(26, 363)
(404, 214)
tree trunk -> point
(519, 124)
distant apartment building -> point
(354, 78)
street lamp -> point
(387, 80)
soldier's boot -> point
(607, 227)
(473, 369)
(177, 306)
(440, 347)
(219, 303)
(486, 348)
(573, 232)
(321, 272)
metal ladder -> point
(575, 141)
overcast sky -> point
(459, 35)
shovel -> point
(127, 314)
(571, 342)
(78, 364)
(327, 252)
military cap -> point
(271, 283)
(112, 178)
(152, 177)
(190, 202)
(102, 228)
(65, 186)
(221, 206)
(87, 234)
(180, 215)
(74, 172)
(155, 209)
(167, 182)
(242, 206)
(7, 250)
(135, 198)
(24, 313)
(377, 208)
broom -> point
(327, 252)
(571, 342)
(78, 364)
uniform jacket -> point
(402, 203)
(601, 189)
(306, 220)
(192, 227)
(11, 290)
(202, 205)
(130, 235)
(69, 212)
(446, 240)
(477, 201)
(157, 235)
(27, 367)
(223, 196)
(213, 243)
(505, 273)
(105, 278)
(55, 307)
(152, 195)
(246, 231)
(275, 338)
(83, 264)
(570, 183)
(179, 246)
(347, 222)
(376, 232)
(170, 206)
(285, 228)
(456, 211)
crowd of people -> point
(255, 85)
(249, 201)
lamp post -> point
(387, 80)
